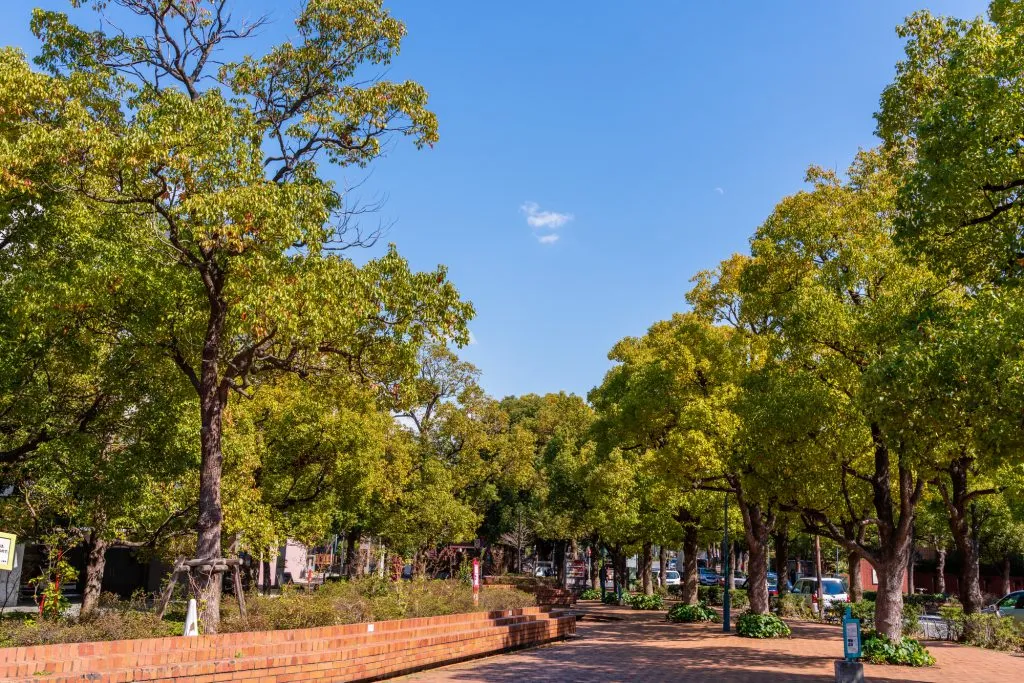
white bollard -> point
(192, 619)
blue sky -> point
(644, 141)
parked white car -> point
(672, 577)
(833, 590)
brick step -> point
(341, 662)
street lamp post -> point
(725, 566)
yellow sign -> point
(7, 542)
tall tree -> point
(841, 296)
(952, 118)
(226, 236)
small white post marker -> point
(192, 619)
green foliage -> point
(612, 598)
(367, 599)
(648, 602)
(692, 613)
(761, 626)
(49, 586)
(983, 629)
(590, 594)
(126, 624)
(912, 618)
(796, 607)
(712, 595)
(952, 114)
(738, 599)
(879, 649)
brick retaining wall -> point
(355, 652)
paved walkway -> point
(647, 648)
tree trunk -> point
(690, 577)
(757, 528)
(940, 570)
(95, 564)
(782, 557)
(646, 557)
(910, 570)
(663, 564)
(856, 585)
(965, 537)
(1006, 575)
(757, 578)
(970, 580)
(212, 400)
(595, 567)
(621, 572)
(352, 551)
(559, 558)
(817, 577)
(889, 601)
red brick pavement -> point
(646, 648)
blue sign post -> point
(851, 636)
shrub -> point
(612, 599)
(738, 599)
(366, 599)
(711, 594)
(793, 606)
(993, 632)
(105, 625)
(869, 595)
(590, 594)
(878, 649)
(912, 618)
(686, 614)
(865, 611)
(761, 626)
(924, 599)
(953, 615)
(641, 601)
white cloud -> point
(547, 239)
(544, 220)
(472, 338)
(719, 190)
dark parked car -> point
(707, 577)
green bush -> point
(869, 595)
(612, 599)
(641, 601)
(793, 606)
(738, 599)
(711, 594)
(912, 618)
(761, 626)
(366, 599)
(923, 599)
(878, 649)
(993, 632)
(119, 622)
(590, 594)
(686, 614)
